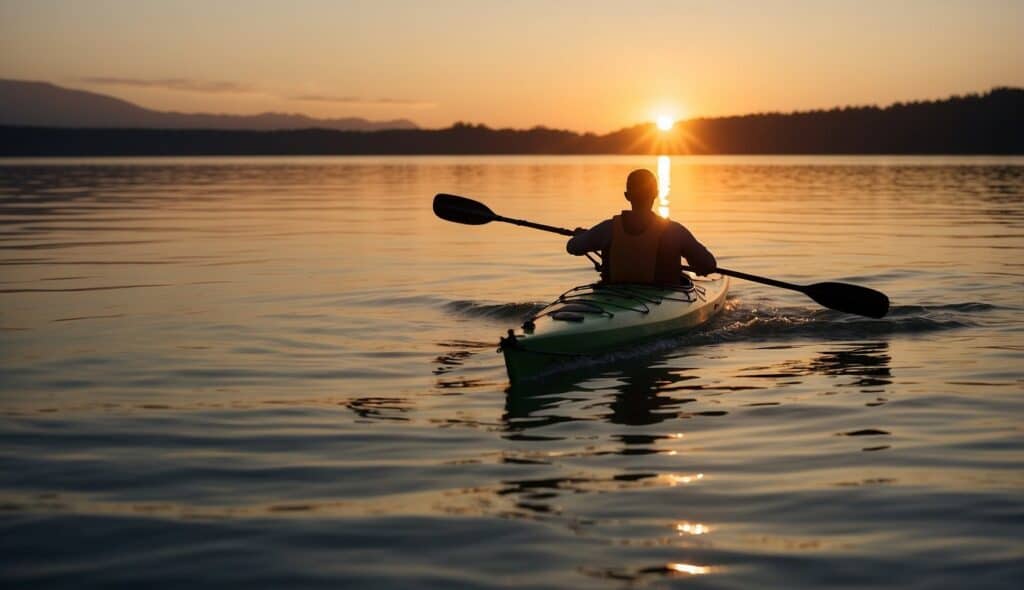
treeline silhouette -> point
(989, 123)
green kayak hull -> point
(601, 320)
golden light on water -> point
(682, 479)
(664, 185)
(689, 568)
(695, 528)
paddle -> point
(842, 297)
(838, 296)
(470, 212)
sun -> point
(665, 122)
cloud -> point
(182, 84)
(227, 87)
(356, 100)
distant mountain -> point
(41, 104)
(989, 123)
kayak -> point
(600, 318)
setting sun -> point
(665, 122)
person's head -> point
(641, 188)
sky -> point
(584, 65)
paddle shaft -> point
(720, 270)
(756, 279)
(724, 271)
(540, 226)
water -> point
(270, 372)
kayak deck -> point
(600, 318)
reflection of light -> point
(692, 529)
(665, 122)
(664, 184)
(689, 568)
(678, 479)
(676, 435)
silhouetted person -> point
(638, 246)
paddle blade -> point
(462, 210)
(849, 298)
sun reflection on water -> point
(689, 568)
(664, 184)
(695, 528)
(674, 479)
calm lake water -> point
(281, 371)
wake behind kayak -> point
(590, 321)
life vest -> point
(633, 258)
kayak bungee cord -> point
(581, 296)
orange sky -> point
(584, 65)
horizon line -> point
(540, 126)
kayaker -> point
(638, 246)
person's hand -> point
(708, 270)
(578, 231)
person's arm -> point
(594, 239)
(696, 255)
